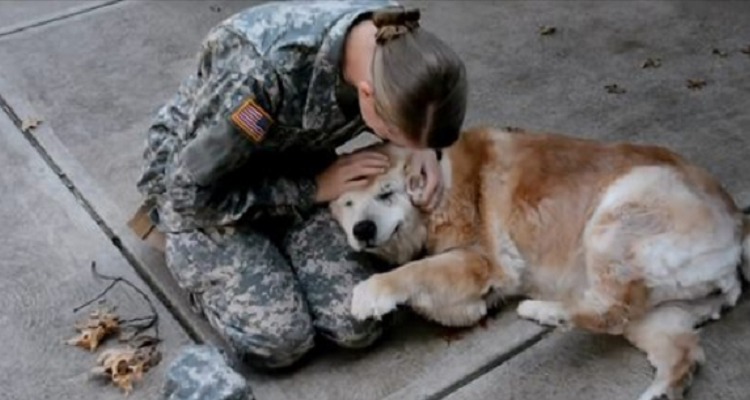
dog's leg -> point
(550, 313)
(602, 309)
(668, 337)
(609, 308)
(448, 288)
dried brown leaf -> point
(651, 63)
(545, 30)
(30, 123)
(719, 52)
(89, 338)
(614, 89)
(695, 84)
(95, 329)
(126, 365)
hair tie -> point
(394, 22)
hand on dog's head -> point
(387, 205)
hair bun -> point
(393, 22)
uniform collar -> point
(331, 101)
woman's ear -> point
(364, 89)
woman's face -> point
(379, 126)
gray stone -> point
(202, 372)
(47, 244)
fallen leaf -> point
(125, 366)
(89, 338)
(614, 89)
(651, 63)
(745, 50)
(148, 357)
(547, 30)
(694, 84)
(31, 123)
(116, 364)
(719, 53)
(96, 328)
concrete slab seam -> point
(115, 240)
(72, 12)
(502, 359)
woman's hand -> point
(349, 172)
(425, 162)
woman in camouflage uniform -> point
(240, 164)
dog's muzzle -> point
(365, 232)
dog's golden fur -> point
(612, 238)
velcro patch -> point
(251, 119)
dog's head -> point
(381, 218)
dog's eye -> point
(385, 195)
(348, 203)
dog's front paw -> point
(373, 299)
(548, 313)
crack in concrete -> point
(139, 268)
(72, 12)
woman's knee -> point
(327, 270)
(245, 288)
(276, 342)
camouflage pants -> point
(269, 297)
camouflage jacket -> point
(267, 94)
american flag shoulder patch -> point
(252, 120)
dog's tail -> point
(746, 244)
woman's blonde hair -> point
(419, 82)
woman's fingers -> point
(374, 156)
(366, 167)
(356, 184)
(363, 171)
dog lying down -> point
(611, 238)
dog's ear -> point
(415, 185)
(415, 179)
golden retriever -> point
(613, 238)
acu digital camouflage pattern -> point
(213, 189)
(269, 298)
(202, 373)
(286, 56)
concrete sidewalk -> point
(96, 71)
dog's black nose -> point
(365, 230)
